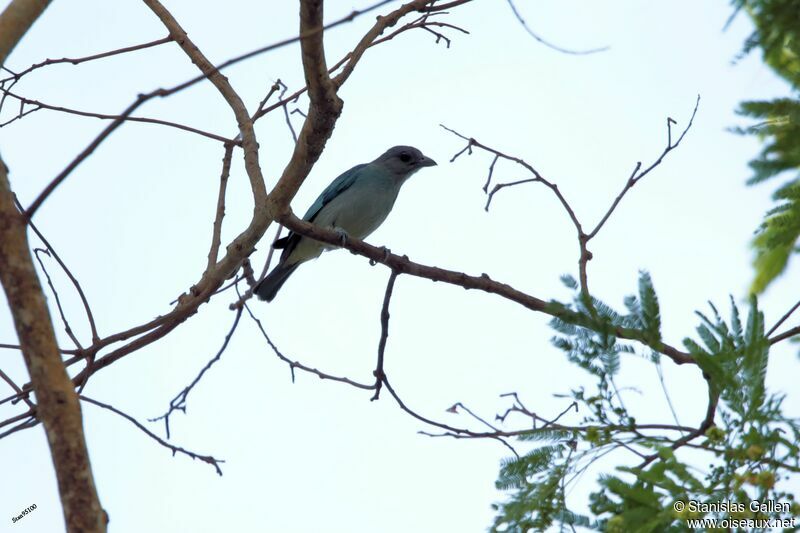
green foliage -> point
(777, 125)
(777, 34)
(648, 310)
(748, 448)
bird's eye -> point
(404, 157)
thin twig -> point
(549, 44)
(67, 271)
(458, 405)
(783, 318)
(537, 176)
(286, 112)
(637, 175)
(123, 117)
(489, 177)
(344, 61)
(708, 421)
(30, 413)
(379, 373)
(178, 403)
(275, 87)
(175, 449)
(271, 253)
(296, 364)
(258, 51)
(789, 333)
(21, 113)
(64, 320)
(216, 234)
(79, 60)
(660, 371)
(500, 186)
(117, 122)
(16, 388)
(24, 425)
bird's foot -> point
(343, 236)
(386, 253)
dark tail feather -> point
(269, 286)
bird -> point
(355, 204)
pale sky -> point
(134, 225)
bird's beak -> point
(427, 162)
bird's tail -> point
(270, 285)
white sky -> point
(134, 224)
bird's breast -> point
(360, 209)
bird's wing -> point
(337, 187)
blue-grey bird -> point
(355, 203)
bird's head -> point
(404, 160)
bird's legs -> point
(343, 235)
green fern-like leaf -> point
(650, 316)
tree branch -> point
(79, 60)
(175, 449)
(378, 373)
(549, 44)
(178, 403)
(216, 234)
(15, 20)
(403, 265)
(58, 407)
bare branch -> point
(458, 405)
(79, 60)
(234, 101)
(441, 7)
(175, 449)
(500, 186)
(24, 425)
(286, 112)
(178, 403)
(585, 255)
(708, 421)
(324, 109)
(317, 127)
(270, 254)
(117, 122)
(15, 20)
(294, 96)
(489, 178)
(296, 364)
(16, 388)
(788, 334)
(583, 237)
(483, 282)
(213, 253)
(275, 87)
(52, 252)
(784, 318)
(123, 117)
(549, 44)
(308, 32)
(537, 177)
(383, 22)
(30, 413)
(58, 407)
(64, 320)
(638, 175)
(379, 373)
(22, 113)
